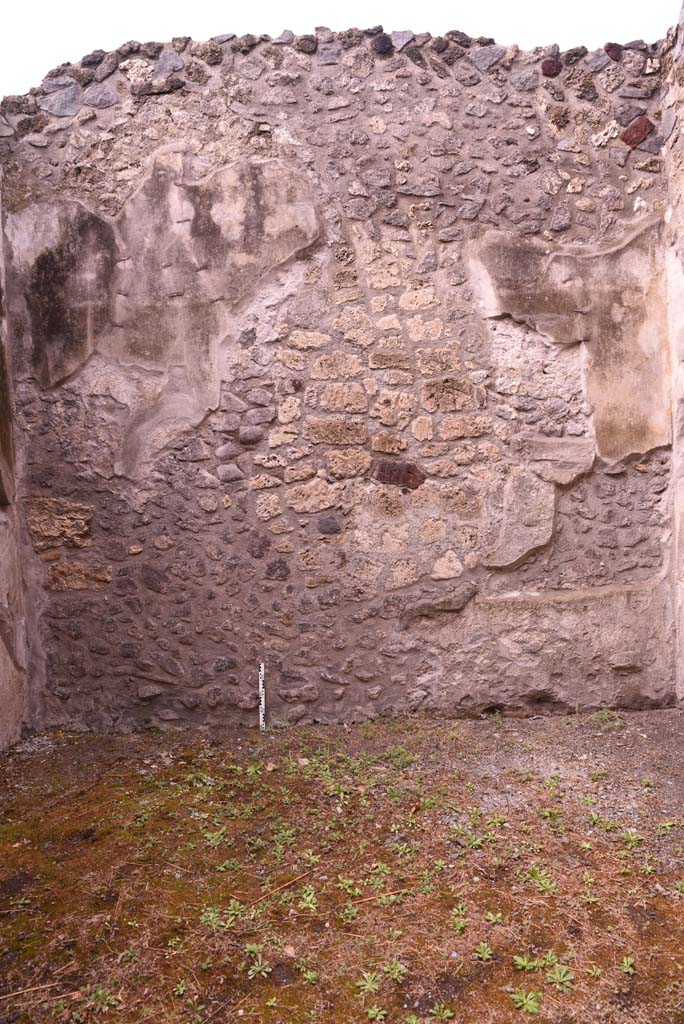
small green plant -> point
(100, 1000)
(606, 720)
(259, 968)
(588, 897)
(368, 983)
(553, 816)
(379, 873)
(375, 1013)
(484, 952)
(525, 963)
(459, 924)
(228, 865)
(561, 977)
(631, 838)
(541, 879)
(348, 886)
(395, 970)
(217, 920)
(440, 1011)
(530, 1002)
(459, 918)
(627, 966)
(307, 899)
(214, 839)
(195, 1008)
(282, 837)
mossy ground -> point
(392, 871)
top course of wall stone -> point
(82, 114)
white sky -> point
(36, 35)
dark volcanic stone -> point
(329, 525)
(249, 435)
(485, 57)
(244, 44)
(151, 50)
(129, 48)
(18, 105)
(92, 60)
(453, 54)
(31, 125)
(277, 570)
(157, 87)
(350, 38)
(63, 99)
(100, 95)
(575, 54)
(653, 144)
(107, 66)
(627, 113)
(398, 472)
(413, 53)
(84, 76)
(551, 67)
(637, 92)
(382, 43)
(169, 61)
(459, 37)
(614, 51)
(210, 52)
(637, 131)
(587, 89)
(306, 44)
(598, 60)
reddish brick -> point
(637, 131)
(398, 472)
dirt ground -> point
(403, 871)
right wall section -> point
(673, 98)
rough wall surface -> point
(349, 354)
(13, 683)
(672, 100)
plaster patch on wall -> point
(614, 302)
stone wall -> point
(13, 688)
(348, 353)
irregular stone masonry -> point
(350, 353)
